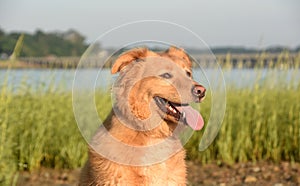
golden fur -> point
(139, 130)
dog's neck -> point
(137, 147)
(117, 129)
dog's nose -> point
(198, 91)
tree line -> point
(69, 43)
(72, 43)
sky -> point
(248, 23)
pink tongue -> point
(193, 117)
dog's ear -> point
(174, 49)
(130, 56)
(179, 53)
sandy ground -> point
(263, 173)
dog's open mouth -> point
(181, 112)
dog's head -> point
(157, 87)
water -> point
(62, 79)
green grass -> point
(38, 128)
(259, 124)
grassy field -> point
(38, 128)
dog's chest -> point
(155, 170)
(170, 172)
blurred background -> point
(256, 43)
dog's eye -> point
(189, 74)
(166, 75)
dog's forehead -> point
(159, 62)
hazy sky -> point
(250, 23)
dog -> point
(138, 143)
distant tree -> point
(7, 43)
(2, 33)
(297, 49)
(73, 36)
(277, 49)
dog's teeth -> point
(183, 115)
(174, 111)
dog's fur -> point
(136, 121)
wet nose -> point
(198, 91)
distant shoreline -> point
(7, 64)
(231, 60)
